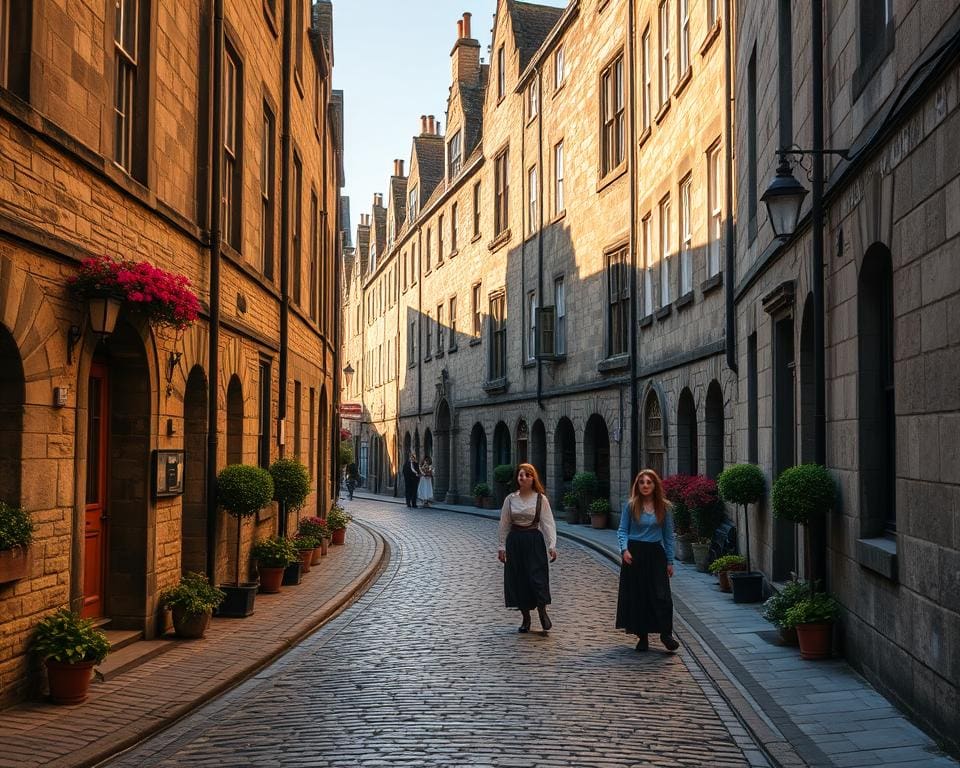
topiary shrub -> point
(741, 484)
(242, 490)
(481, 490)
(16, 526)
(503, 473)
(585, 484)
(291, 483)
(599, 507)
(803, 493)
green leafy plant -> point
(481, 490)
(16, 526)
(338, 518)
(314, 527)
(291, 483)
(599, 507)
(65, 637)
(571, 500)
(194, 594)
(728, 563)
(302, 542)
(803, 493)
(503, 473)
(345, 452)
(242, 490)
(775, 608)
(275, 552)
(705, 521)
(585, 484)
(813, 609)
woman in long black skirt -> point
(528, 535)
(644, 603)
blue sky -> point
(392, 60)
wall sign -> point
(168, 473)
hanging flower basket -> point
(163, 298)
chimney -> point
(466, 25)
(465, 56)
(423, 124)
(431, 125)
(398, 168)
(460, 29)
(378, 200)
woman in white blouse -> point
(528, 535)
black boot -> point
(642, 643)
(525, 626)
(669, 642)
(545, 622)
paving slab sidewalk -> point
(126, 709)
(818, 713)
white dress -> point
(425, 488)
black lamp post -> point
(783, 199)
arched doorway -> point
(538, 449)
(478, 455)
(654, 434)
(713, 431)
(565, 456)
(687, 460)
(441, 461)
(12, 396)
(416, 443)
(193, 524)
(428, 445)
(501, 444)
(234, 421)
(523, 438)
(596, 453)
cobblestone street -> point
(428, 670)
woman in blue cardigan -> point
(644, 603)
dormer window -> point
(412, 205)
(454, 155)
(559, 68)
(533, 99)
(501, 73)
(373, 258)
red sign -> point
(351, 410)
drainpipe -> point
(285, 163)
(542, 199)
(816, 212)
(213, 360)
(634, 351)
(730, 324)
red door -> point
(95, 528)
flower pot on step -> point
(317, 554)
(788, 636)
(598, 521)
(69, 683)
(270, 579)
(724, 578)
(816, 640)
(324, 545)
(190, 626)
(701, 554)
(340, 536)
(14, 564)
(306, 555)
(747, 587)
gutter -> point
(634, 336)
(730, 329)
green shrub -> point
(585, 484)
(571, 500)
(194, 594)
(337, 518)
(275, 552)
(504, 474)
(803, 493)
(242, 490)
(346, 452)
(728, 563)
(65, 637)
(291, 483)
(302, 542)
(741, 484)
(481, 490)
(776, 607)
(813, 609)
(599, 507)
(16, 526)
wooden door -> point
(96, 518)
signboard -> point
(168, 473)
(351, 410)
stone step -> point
(131, 656)
(121, 638)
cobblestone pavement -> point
(427, 669)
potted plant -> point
(700, 497)
(673, 489)
(16, 533)
(599, 513)
(291, 485)
(337, 520)
(723, 566)
(742, 485)
(814, 617)
(316, 529)
(273, 555)
(775, 609)
(802, 494)
(241, 491)
(481, 491)
(192, 602)
(571, 506)
(585, 485)
(503, 481)
(70, 648)
(305, 544)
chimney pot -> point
(423, 124)
(466, 24)
(401, 167)
(460, 29)
(431, 125)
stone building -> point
(109, 134)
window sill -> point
(428, 358)
(475, 238)
(644, 136)
(451, 350)
(499, 241)
(271, 18)
(558, 216)
(646, 321)
(559, 357)
(662, 112)
(684, 301)
(879, 555)
(559, 88)
(453, 253)
(474, 342)
(663, 312)
(438, 354)
(685, 78)
(712, 35)
(617, 363)
(530, 364)
(298, 80)
(711, 283)
(495, 386)
(605, 181)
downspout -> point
(285, 163)
(730, 331)
(420, 325)
(634, 351)
(543, 202)
(524, 223)
(213, 360)
(819, 319)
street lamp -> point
(348, 376)
(783, 198)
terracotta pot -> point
(69, 683)
(317, 554)
(816, 640)
(190, 626)
(724, 577)
(14, 564)
(324, 545)
(339, 536)
(788, 636)
(598, 521)
(270, 579)
(306, 556)
(700, 554)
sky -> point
(392, 61)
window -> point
(714, 210)
(502, 193)
(298, 22)
(533, 98)
(713, 13)
(440, 346)
(263, 437)
(268, 152)
(427, 338)
(752, 145)
(647, 235)
(785, 71)
(501, 73)
(618, 303)
(647, 77)
(404, 270)
(753, 411)
(127, 95)
(476, 209)
(454, 155)
(686, 240)
(412, 342)
(297, 413)
(683, 34)
(440, 240)
(16, 22)
(412, 200)
(452, 319)
(653, 444)
(560, 324)
(313, 297)
(532, 200)
(531, 325)
(559, 68)
(312, 428)
(558, 204)
(297, 229)
(453, 229)
(665, 252)
(664, 53)
(427, 259)
(611, 107)
(498, 337)
(231, 180)
(316, 102)
(876, 16)
(414, 264)
(475, 310)
(373, 257)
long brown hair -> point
(659, 500)
(532, 471)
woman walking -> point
(645, 535)
(425, 489)
(528, 535)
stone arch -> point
(654, 432)
(12, 394)
(565, 455)
(235, 411)
(687, 459)
(478, 455)
(407, 445)
(713, 430)
(522, 434)
(442, 459)
(193, 523)
(538, 449)
(501, 444)
(428, 447)
(596, 453)
(416, 443)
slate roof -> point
(430, 158)
(380, 229)
(398, 189)
(345, 221)
(323, 23)
(363, 248)
(531, 25)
